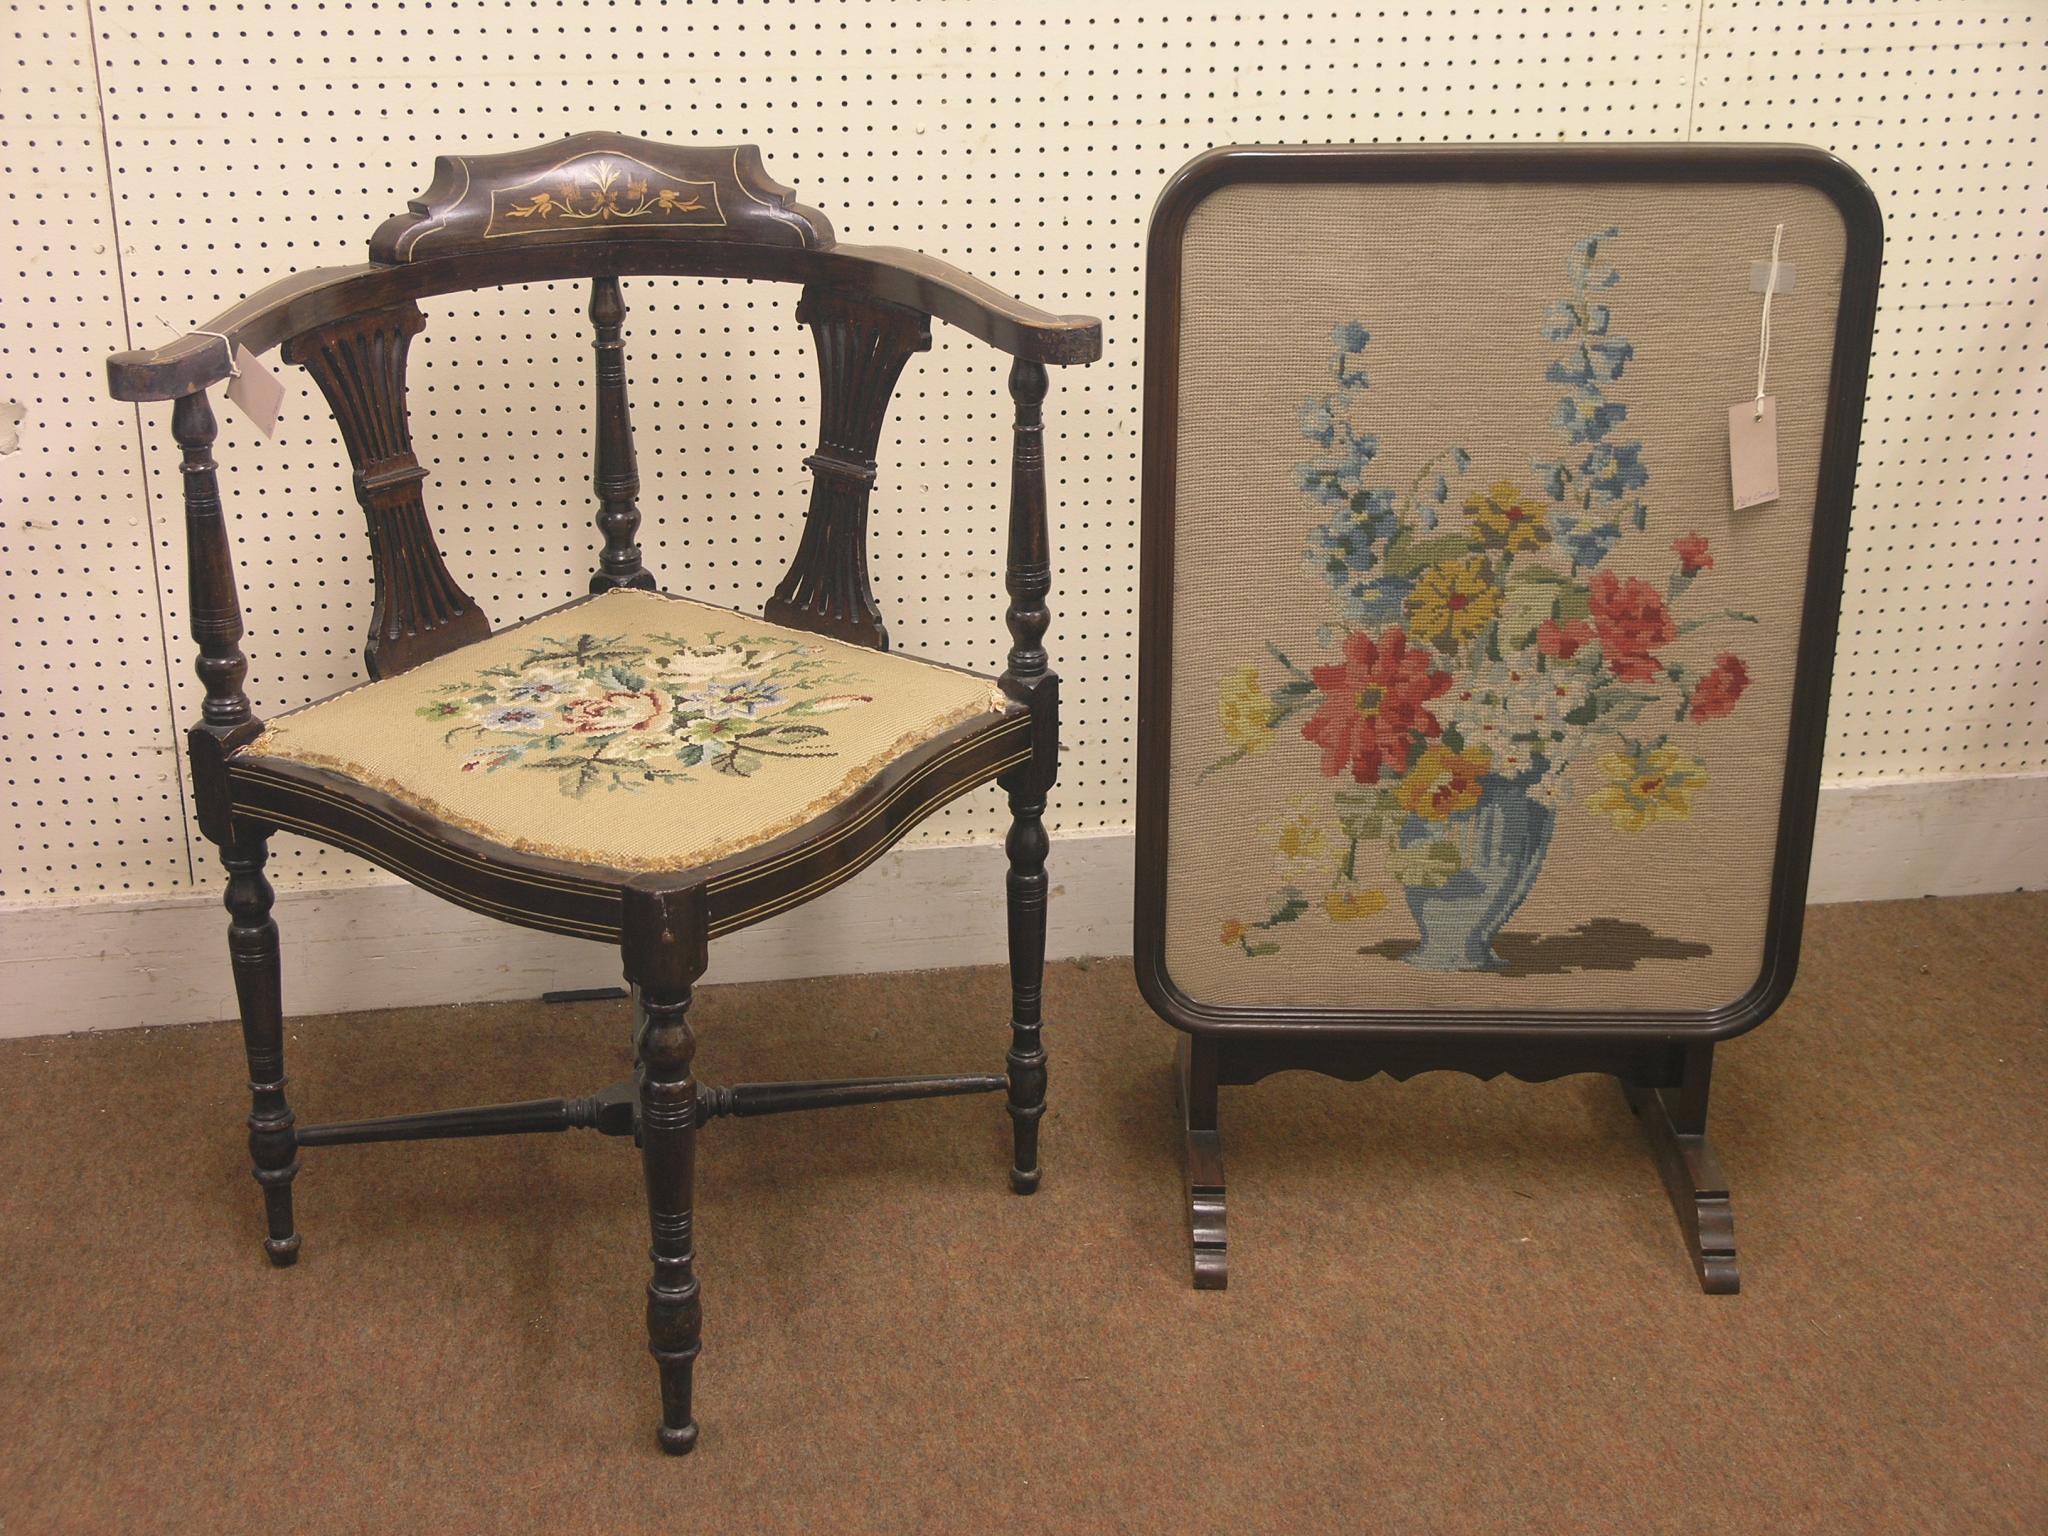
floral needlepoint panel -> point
(634, 730)
(1481, 693)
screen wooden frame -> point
(1311, 166)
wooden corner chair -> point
(767, 758)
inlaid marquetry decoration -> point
(605, 186)
(600, 188)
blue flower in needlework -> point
(1615, 469)
(1595, 484)
(1346, 552)
(1318, 422)
(1341, 483)
(1587, 545)
(1350, 339)
(1584, 420)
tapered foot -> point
(1697, 1186)
(1195, 1077)
(284, 1252)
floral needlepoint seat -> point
(634, 731)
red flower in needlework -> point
(1632, 621)
(1692, 554)
(1717, 692)
(1561, 642)
(1373, 705)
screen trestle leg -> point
(1665, 1084)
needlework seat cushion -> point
(634, 730)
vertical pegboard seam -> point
(1699, 49)
(156, 565)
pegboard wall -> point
(170, 159)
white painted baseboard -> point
(109, 965)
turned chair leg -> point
(252, 944)
(665, 954)
(1027, 846)
(1195, 1074)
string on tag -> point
(234, 369)
(1763, 344)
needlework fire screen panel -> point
(1481, 693)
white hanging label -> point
(1753, 451)
(256, 391)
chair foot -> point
(1210, 1247)
(1024, 1181)
(1698, 1189)
(283, 1251)
(678, 1442)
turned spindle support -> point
(615, 472)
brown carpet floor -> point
(1456, 1306)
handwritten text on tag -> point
(1753, 451)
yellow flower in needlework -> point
(1232, 932)
(1350, 906)
(1504, 518)
(1298, 835)
(1443, 783)
(1647, 784)
(1246, 711)
(1452, 602)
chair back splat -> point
(359, 363)
(862, 347)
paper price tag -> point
(255, 391)
(1753, 452)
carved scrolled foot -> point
(1195, 1077)
(1698, 1188)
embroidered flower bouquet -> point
(1480, 655)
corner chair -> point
(768, 758)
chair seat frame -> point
(598, 207)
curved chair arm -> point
(325, 294)
(946, 292)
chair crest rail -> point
(199, 360)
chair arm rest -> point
(939, 288)
(200, 359)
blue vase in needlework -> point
(1501, 842)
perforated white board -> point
(1024, 142)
